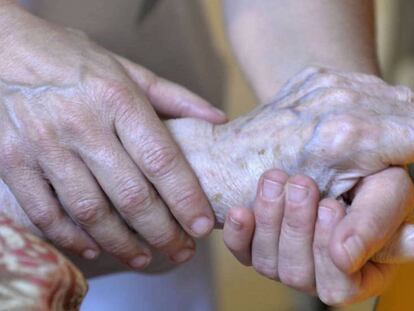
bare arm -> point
(273, 40)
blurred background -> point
(240, 288)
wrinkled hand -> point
(82, 145)
(331, 126)
(288, 234)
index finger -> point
(153, 150)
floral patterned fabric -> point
(34, 276)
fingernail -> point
(201, 226)
(190, 243)
(183, 255)
(296, 193)
(271, 189)
(90, 254)
(235, 224)
(325, 215)
(355, 249)
(221, 113)
(139, 262)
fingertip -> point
(202, 226)
(347, 249)
(240, 218)
(91, 254)
(238, 233)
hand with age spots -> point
(341, 257)
(328, 125)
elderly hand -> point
(320, 110)
(81, 145)
(291, 236)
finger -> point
(335, 287)
(380, 205)
(82, 198)
(152, 148)
(296, 268)
(169, 98)
(268, 211)
(238, 233)
(35, 196)
(135, 200)
(400, 249)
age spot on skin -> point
(276, 151)
(242, 164)
(217, 198)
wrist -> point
(227, 163)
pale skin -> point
(122, 85)
(228, 169)
(272, 41)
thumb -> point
(381, 203)
(400, 248)
(169, 98)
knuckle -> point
(297, 227)
(118, 97)
(41, 133)
(266, 267)
(264, 222)
(186, 199)
(135, 201)
(346, 95)
(66, 241)
(159, 160)
(41, 216)
(296, 278)
(312, 71)
(164, 238)
(328, 79)
(12, 156)
(121, 249)
(80, 126)
(86, 211)
(333, 95)
(341, 134)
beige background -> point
(240, 288)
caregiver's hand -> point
(292, 240)
(81, 144)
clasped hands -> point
(72, 171)
(326, 246)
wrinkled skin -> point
(334, 128)
(82, 146)
(310, 127)
(292, 237)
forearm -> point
(273, 40)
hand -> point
(81, 143)
(294, 241)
